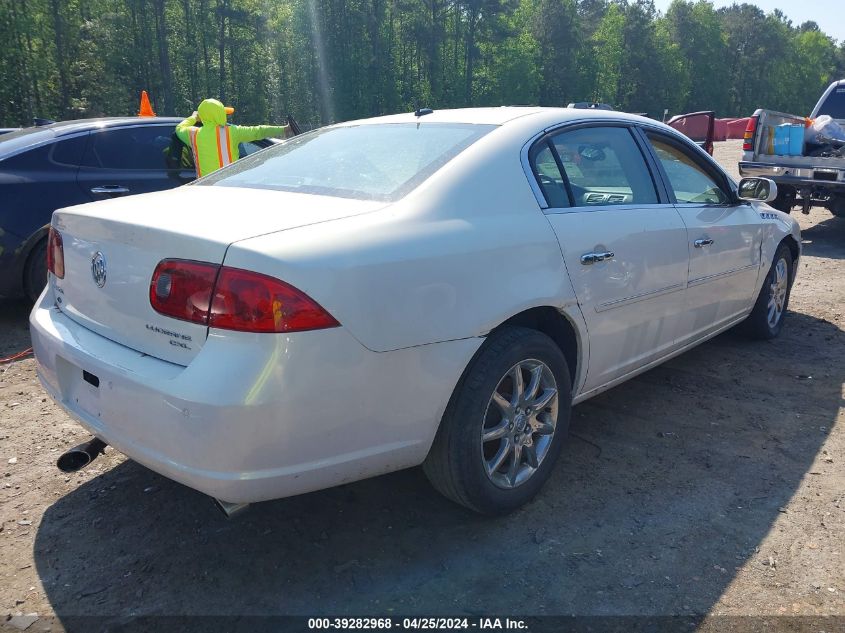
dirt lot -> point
(713, 484)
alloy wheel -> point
(519, 423)
(777, 293)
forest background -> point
(333, 60)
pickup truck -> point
(815, 177)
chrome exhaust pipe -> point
(230, 509)
(80, 456)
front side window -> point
(129, 148)
(688, 179)
(604, 166)
(367, 162)
(248, 147)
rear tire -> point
(766, 319)
(35, 271)
(505, 424)
(837, 206)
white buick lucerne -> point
(434, 288)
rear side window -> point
(65, 153)
(604, 166)
(546, 171)
(35, 158)
(368, 162)
(136, 148)
(834, 105)
(69, 151)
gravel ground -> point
(712, 484)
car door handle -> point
(110, 189)
(587, 259)
(700, 243)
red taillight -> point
(748, 137)
(182, 289)
(242, 300)
(55, 254)
(252, 302)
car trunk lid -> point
(111, 249)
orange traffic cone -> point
(146, 109)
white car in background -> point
(425, 288)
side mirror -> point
(757, 189)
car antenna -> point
(422, 111)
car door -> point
(623, 243)
(127, 160)
(698, 126)
(724, 236)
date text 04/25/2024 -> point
(418, 623)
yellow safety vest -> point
(224, 153)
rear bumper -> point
(253, 417)
(797, 177)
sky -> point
(828, 14)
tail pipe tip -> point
(230, 509)
(80, 456)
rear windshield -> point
(368, 162)
(834, 105)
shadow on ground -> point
(668, 484)
(825, 239)
(14, 326)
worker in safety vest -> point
(214, 144)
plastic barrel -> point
(782, 140)
(796, 140)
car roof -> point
(502, 116)
(82, 124)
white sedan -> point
(425, 288)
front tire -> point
(505, 424)
(35, 271)
(766, 319)
(837, 206)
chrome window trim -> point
(704, 205)
(608, 207)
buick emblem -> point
(98, 269)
